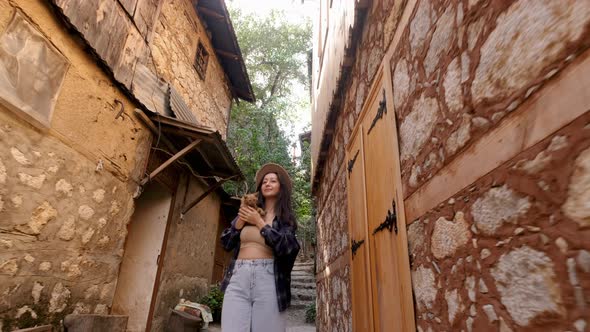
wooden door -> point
(380, 199)
(139, 268)
(362, 302)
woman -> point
(257, 284)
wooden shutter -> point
(362, 305)
(375, 203)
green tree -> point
(275, 53)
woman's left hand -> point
(250, 216)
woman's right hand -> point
(239, 223)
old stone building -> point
(451, 151)
(113, 116)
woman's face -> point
(270, 185)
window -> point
(201, 60)
(31, 72)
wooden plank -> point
(134, 51)
(129, 6)
(209, 12)
(401, 248)
(105, 26)
(560, 102)
(211, 189)
(172, 159)
(380, 193)
(144, 118)
(146, 16)
(226, 54)
(362, 298)
(150, 90)
(330, 49)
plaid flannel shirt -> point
(283, 241)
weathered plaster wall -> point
(459, 70)
(66, 194)
(189, 258)
(174, 57)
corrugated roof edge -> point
(206, 131)
(244, 91)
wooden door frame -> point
(171, 216)
(403, 251)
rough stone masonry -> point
(509, 251)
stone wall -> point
(512, 247)
(459, 70)
(173, 55)
(512, 240)
(65, 192)
(334, 301)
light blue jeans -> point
(250, 300)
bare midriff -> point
(252, 245)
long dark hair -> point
(284, 208)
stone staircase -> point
(303, 292)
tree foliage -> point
(275, 52)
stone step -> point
(303, 278)
(301, 273)
(303, 294)
(304, 285)
(303, 263)
(296, 304)
(303, 268)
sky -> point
(295, 11)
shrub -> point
(310, 313)
(214, 301)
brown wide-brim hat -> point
(273, 168)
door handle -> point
(390, 221)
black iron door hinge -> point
(390, 221)
(351, 162)
(355, 245)
(382, 110)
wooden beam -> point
(203, 195)
(168, 162)
(241, 91)
(211, 13)
(227, 54)
(560, 102)
(152, 127)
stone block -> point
(521, 47)
(497, 206)
(526, 281)
(577, 205)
